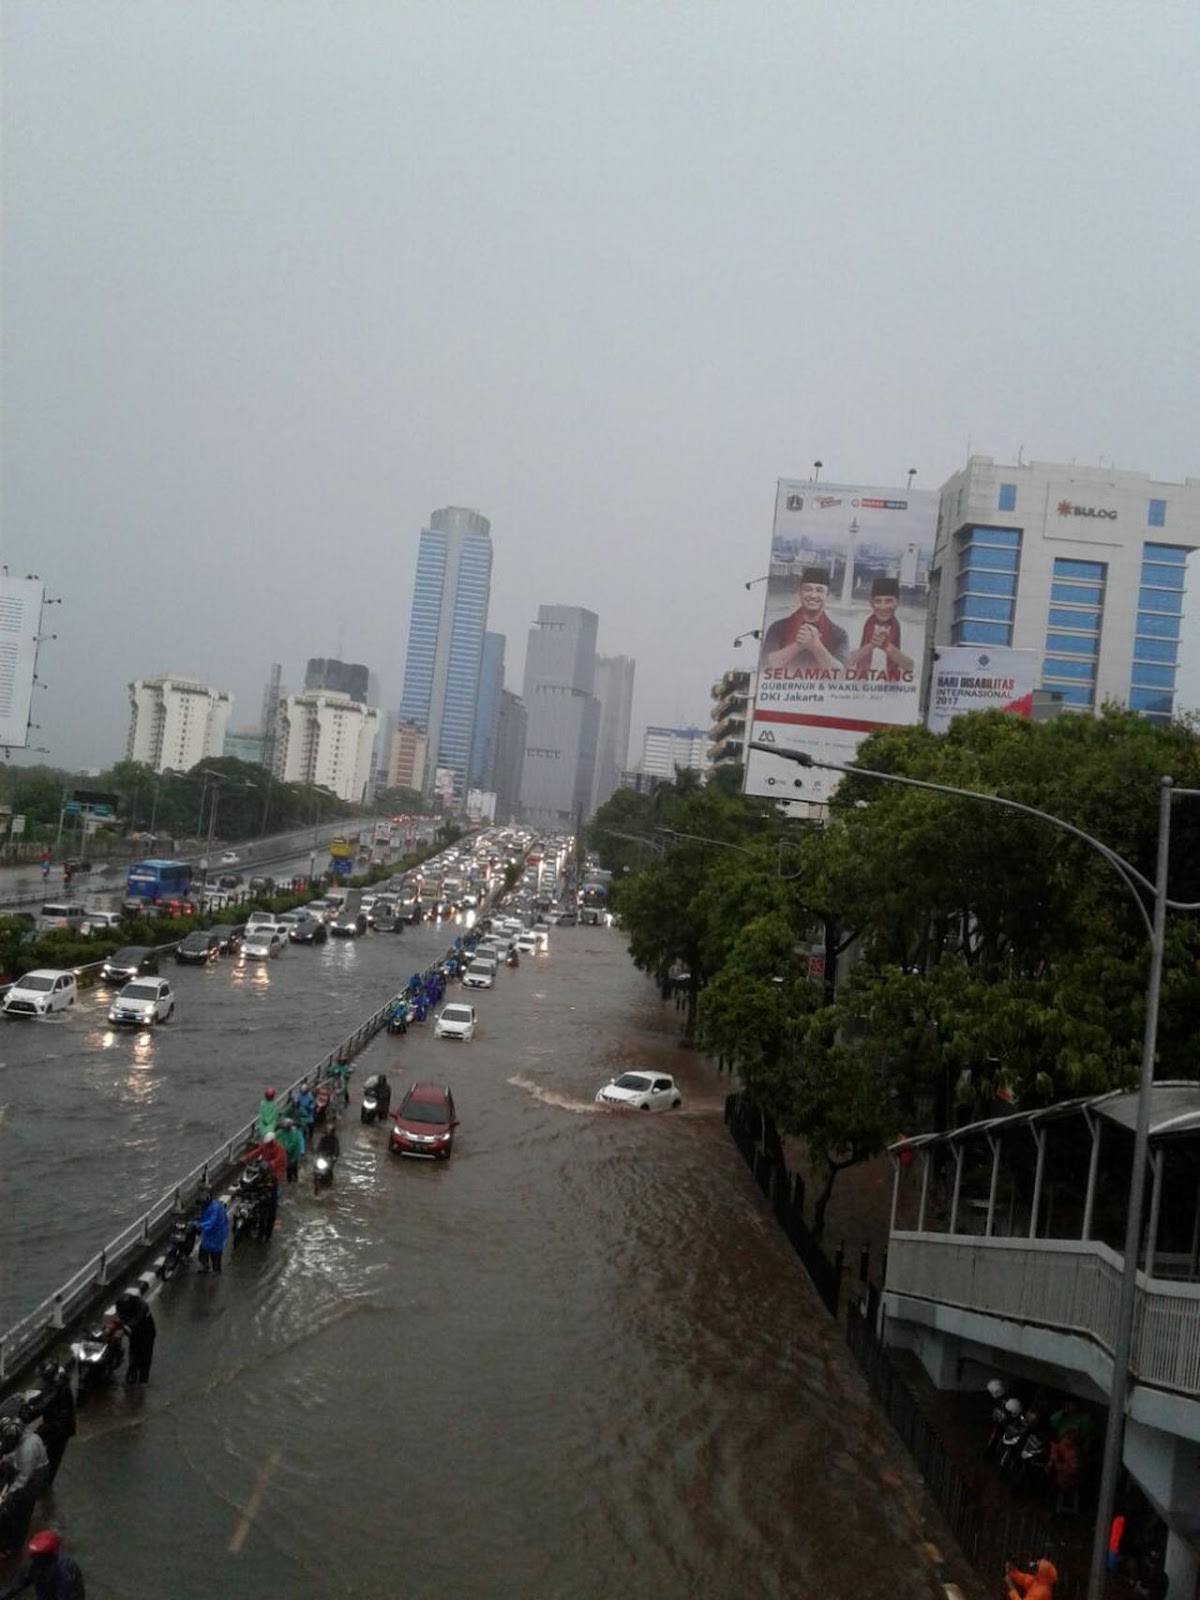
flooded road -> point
(576, 1360)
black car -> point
(349, 924)
(385, 920)
(199, 947)
(134, 961)
(308, 930)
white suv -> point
(39, 993)
(142, 1002)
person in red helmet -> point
(47, 1571)
(1035, 1585)
(268, 1112)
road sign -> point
(72, 808)
(18, 825)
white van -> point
(62, 914)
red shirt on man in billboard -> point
(881, 634)
(809, 638)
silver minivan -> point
(62, 914)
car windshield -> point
(424, 1111)
(35, 983)
(129, 957)
(196, 941)
(139, 991)
(632, 1080)
(456, 1014)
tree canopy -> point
(992, 953)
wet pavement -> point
(576, 1360)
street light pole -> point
(1155, 921)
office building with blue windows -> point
(445, 643)
(1087, 566)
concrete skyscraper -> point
(563, 717)
(445, 640)
(614, 690)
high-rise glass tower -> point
(445, 640)
(487, 713)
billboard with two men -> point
(843, 634)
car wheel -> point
(643, 1106)
(170, 1013)
(676, 1103)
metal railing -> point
(27, 1339)
(1064, 1284)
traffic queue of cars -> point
(142, 998)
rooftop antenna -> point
(912, 472)
(817, 465)
(1020, 455)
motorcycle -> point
(376, 1098)
(1035, 1451)
(398, 1018)
(512, 959)
(98, 1355)
(180, 1245)
(1012, 1440)
(251, 1203)
(323, 1172)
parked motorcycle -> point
(376, 1098)
(98, 1355)
(181, 1243)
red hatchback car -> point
(425, 1122)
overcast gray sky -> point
(281, 277)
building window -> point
(1008, 497)
(989, 561)
(1159, 627)
(1156, 514)
(1069, 663)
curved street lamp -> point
(1154, 917)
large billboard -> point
(843, 632)
(970, 677)
(20, 623)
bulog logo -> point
(1067, 508)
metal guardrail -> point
(25, 1341)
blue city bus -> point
(157, 882)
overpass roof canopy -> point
(1174, 1111)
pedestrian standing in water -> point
(268, 1113)
(291, 1141)
(213, 1227)
(138, 1322)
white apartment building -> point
(325, 738)
(664, 750)
(176, 722)
(1085, 565)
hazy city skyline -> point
(278, 279)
